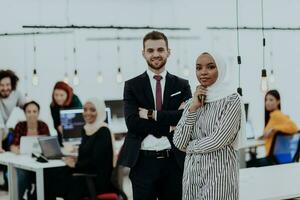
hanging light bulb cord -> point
(34, 53)
(118, 54)
(75, 53)
(239, 60)
(263, 31)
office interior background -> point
(99, 59)
(105, 57)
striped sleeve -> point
(184, 128)
(224, 133)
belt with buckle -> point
(157, 154)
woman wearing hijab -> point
(95, 156)
(210, 132)
(62, 98)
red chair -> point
(106, 196)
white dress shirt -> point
(151, 142)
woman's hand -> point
(198, 98)
(15, 149)
(70, 161)
(269, 133)
(60, 129)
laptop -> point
(30, 144)
(50, 147)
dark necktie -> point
(158, 92)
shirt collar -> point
(151, 74)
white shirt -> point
(151, 142)
(7, 106)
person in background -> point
(10, 98)
(31, 127)
(62, 98)
(275, 120)
(210, 131)
(95, 156)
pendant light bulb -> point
(119, 76)
(99, 77)
(66, 78)
(272, 77)
(76, 78)
(264, 81)
(35, 78)
(186, 71)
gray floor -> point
(126, 185)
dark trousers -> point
(156, 178)
(3, 168)
(61, 183)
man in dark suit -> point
(153, 103)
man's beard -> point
(163, 63)
(4, 94)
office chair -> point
(117, 195)
(285, 148)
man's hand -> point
(181, 107)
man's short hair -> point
(10, 74)
(155, 35)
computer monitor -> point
(117, 108)
(72, 123)
(108, 116)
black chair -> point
(118, 193)
(285, 148)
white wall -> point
(16, 52)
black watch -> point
(150, 114)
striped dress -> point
(211, 164)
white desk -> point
(253, 143)
(273, 182)
(14, 161)
(250, 143)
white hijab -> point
(92, 128)
(223, 87)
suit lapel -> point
(167, 91)
(147, 90)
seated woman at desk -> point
(31, 127)
(275, 120)
(95, 156)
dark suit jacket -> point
(138, 93)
